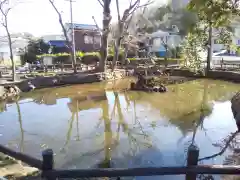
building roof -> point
(53, 37)
(82, 26)
(160, 33)
(57, 43)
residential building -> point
(87, 37)
(235, 39)
(161, 38)
(19, 43)
(56, 42)
(179, 4)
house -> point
(160, 39)
(19, 43)
(87, 37)
(56, 42)
(179, 4)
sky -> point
(39, 18)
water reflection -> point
(89, 126)
(21, 126)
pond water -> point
(92, 126)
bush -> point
(90, 58)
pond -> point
(104, 125)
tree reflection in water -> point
(21, 126)
(231, 142)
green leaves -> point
(215, 12)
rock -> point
(31, 86)
(235, 104)
(2, 91)
(9, 92)
(17, 90)
(236, 108)
(148, 85)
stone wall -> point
(224, 75)
(59, 80)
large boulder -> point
(236, 108)
(149, 84)
(9, 92)
(2, 91)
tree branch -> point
(4, 13)
(223, 149)
(100, 3)
(61, 23)
(118, 11)
(96, 23)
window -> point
(88, 39)
(238, 42)
(157, 42)
(97, 40)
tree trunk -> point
(125, 54)
(209, 55)
(104, 45)
(117, 46)
(70, 48)
(166, 58)
(21, 127)
(107, 134)
(11, 54)
(104, 53)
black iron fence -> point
(46, 165)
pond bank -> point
(216, 75)
(83, 78)
(68, 79)
(13, 169)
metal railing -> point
(46, 165)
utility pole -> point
(73, 36)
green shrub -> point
(132, 59)
(111, 51)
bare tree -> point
(5, 9)
(123, 24)
(105, 32)
(69, 44)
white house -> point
(161, 38)
(18, 48)
(179, 4)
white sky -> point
(39, 18)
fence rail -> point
(22, 157)
(148, 171)
(191, 170)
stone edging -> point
(59, 80)
(219, 75)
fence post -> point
(48, 162)
(192, 160)
(221, 63)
